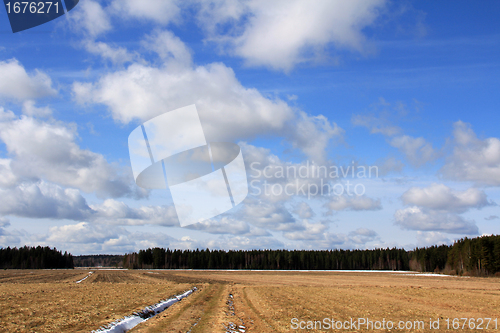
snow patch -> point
(127, 323)
(90, 273)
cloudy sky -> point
(407, 89)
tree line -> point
(393, 259)
(98, 260)
(34, 258)
(468, 256)
(477, 256)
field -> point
(51, 301)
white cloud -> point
(90, 238)
(437, 207)
(327, 240)
(415, 218)
(441, 197)
(473, 159)
(159, 11)
(417, 150)
(141, 92)
(90, 17)
(282, 33)
(43, 200)
(228, 111)
(303, 210)
(312, 231)
(168, 47)
(356, 203)
(48, 150)
(17, 84)
(244, 243)
(312, 134)
(7, 177)
(30, 109)
(116, 212)
(268, 215)
(82, 232)
(117, 55)
(362, 236)
(227, 225)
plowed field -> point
(51, 301)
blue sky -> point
(408, 87)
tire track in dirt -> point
(254, 319)
(195, 314)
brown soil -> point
(51, 301)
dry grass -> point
(31, 302)
(50, 301)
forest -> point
(34, 258)
(477, 256)
(468, 256)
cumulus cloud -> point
(492, 217)
(417, 150)
(116, 212)
(267, 215)
(281, 34)
(327, 240)
(441, 197)
(117, 55)
(169, 47)
(415, 218)
(91, 238)
(362, 236)
(244, 243)
(91, 18)
(278, 34)
(7, 177)
(273, 179)
(30, 109)
(303, 210)
(473, 159)
(43, 200)
(47, 150)
(227, 225)
(311, 231)
(82, 232)
(19, 85)
(437, 208)
(228, 111)
(356, 203)
(159, 11)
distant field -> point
(51, 301)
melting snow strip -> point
(129, 322)
(90, 273)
